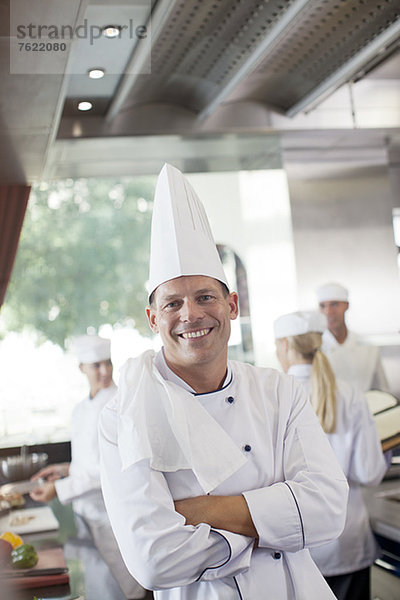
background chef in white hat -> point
(79, 481)
(344, 415)
(351, 359)
(217, 476)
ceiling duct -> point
(282, 53)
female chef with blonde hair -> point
(345, 417)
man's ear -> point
(152, 318)
(347, 306)
(233, 305)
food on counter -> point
(15, 553)
(24, 557)
(5, 553)
(21, 519)
(15, 499)
(15, 540)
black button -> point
(247, 448)
(276, 555)
(230, 399)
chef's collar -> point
(169, 375)
(300, 370)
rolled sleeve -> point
(76, 486)
(267, 507)
(239, 551)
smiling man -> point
(193, 315)
(216, 475)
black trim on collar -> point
(216, 391)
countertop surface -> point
(89, 576)
(383, 503)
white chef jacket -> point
(359, 451)
(82, 486)
(355, 362)
(293, 485)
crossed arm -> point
(230, 513)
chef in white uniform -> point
(344, 415)
(216, 475)
(351, 359)
(79, 481)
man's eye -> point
(171, 304)
(205, 297)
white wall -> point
(343, 232)
(333, 228)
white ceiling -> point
(215, 85)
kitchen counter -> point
(89, 575)
(383, 503)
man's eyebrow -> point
(205, 291)
(170, 297)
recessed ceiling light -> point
(96, 73)
(111, 31)
(85, 105)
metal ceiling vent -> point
(283, 53)
(200, 46)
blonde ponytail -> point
(323, 383)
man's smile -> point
(195, 334)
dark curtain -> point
(13, 202)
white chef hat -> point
(181, 239)
(332, 291)
(297, 323)
(92, 348)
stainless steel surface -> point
(37, 572)
(21, 467)
(384, 512)
(225, 66)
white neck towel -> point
(160, 421)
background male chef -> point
(351, 359)
(79, 481)
(216, 475)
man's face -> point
(334, 311)
(193, 317)
(99, 374)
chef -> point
(344, 415)
(352, 360)
(216, 475)
(79, 481)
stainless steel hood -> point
(212, 67)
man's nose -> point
(191, 311)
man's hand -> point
(52, 472)
(44, 493)
(221, 512)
